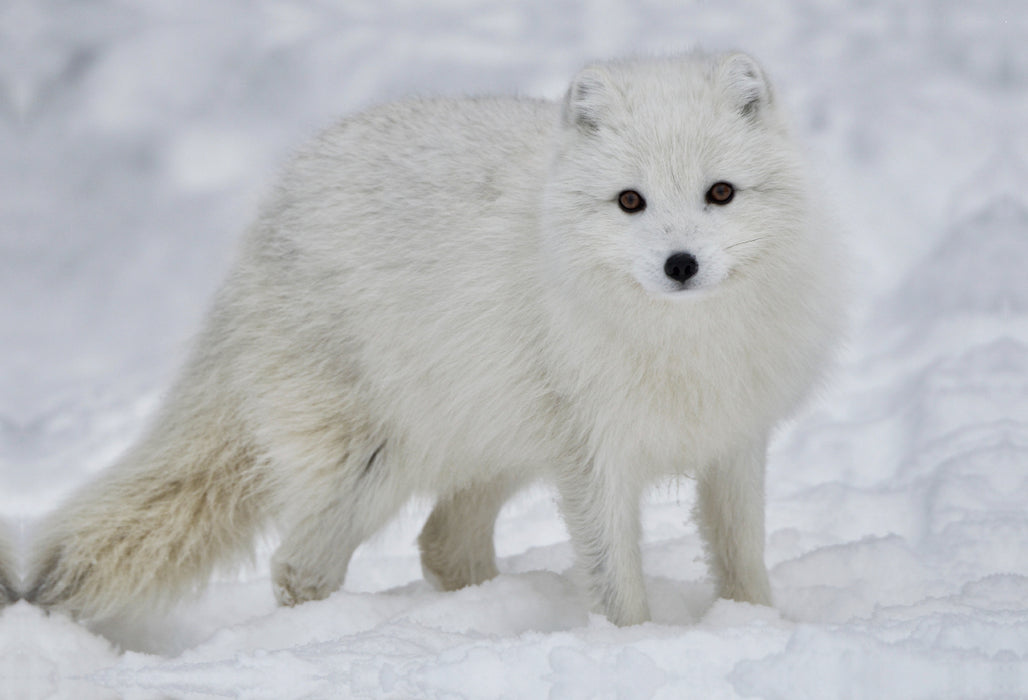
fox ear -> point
(589, 99)
(745, 84)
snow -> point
(137, 139)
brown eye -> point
(720, 193)
(631, 202)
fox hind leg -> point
(456, 542)
(312, 559)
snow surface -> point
(136, 140)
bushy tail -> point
(153, 526)
(8, 571)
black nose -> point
(681, 266)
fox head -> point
(672, 176)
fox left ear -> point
(590, 99)
(745, 84)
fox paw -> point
(292, 586)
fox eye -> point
(631, 202)
(720, 193)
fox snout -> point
(681, 266)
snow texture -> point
(136, 141)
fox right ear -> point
(589, 99)
(745, 84)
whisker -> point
(752, 240)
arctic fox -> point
(455, 296)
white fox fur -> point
(444, 296)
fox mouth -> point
(691, 291)
(695, 288)
(682, 276)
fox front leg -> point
(730, 513)
(601, 509)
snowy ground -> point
(136, 139)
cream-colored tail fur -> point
(8, 571)
(151, 528)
